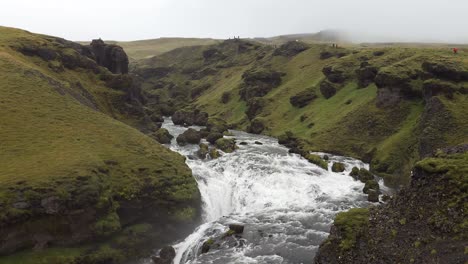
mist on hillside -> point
(362, 20)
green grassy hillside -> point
(72, 170)
(386, 106)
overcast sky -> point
(383, 20)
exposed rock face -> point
(436, 120)
(257, 83)
(111, 56)
(327, 89)
(421, 224)
(213, 136)
(449, 70)
(254, 107)
(291, 49)
(302, 99)
(334, 75)
(435, 87)
(366, 75)
(256, 127)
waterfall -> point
(286, 204)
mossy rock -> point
(227, 145)
(317, 160)
(213, 136)
(338, 167)
(302, 99)
(225, 97)
(190, 136)
(203, 151)
(214, 153)
(371, 185)
(351, 224)
(217, 125)
(163, 136)
(365, 175)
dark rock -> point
(157, 118)
(258, 143)
(338, 167)
(207, 246)
(213, 136)
(166, 256)
(237, 229)
(435, 87)
(378, 53)
(334, 75)
(325, 55)
(325, 157)
(371, 185)
(388, 97)
(327, 89)
(203, 151)
(216, 125)
(227, 145)
(256, 126)
(51, 204)
(354, 173)
(365, 175)
(290, 49)
(214, 153)
(112, 57)
(450, 70)
(254, 107)
(190, 136)
(199, 90)
(225, 97)
(373, 196)
(366, 75)
(303, 98)
(190, 118)
(21, 205)
(163, 136)
(258, 82)
(243, 143)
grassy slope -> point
(50, 139)
(329, 124)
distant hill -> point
(319, 37)
(142, 49)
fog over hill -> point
(365, 20)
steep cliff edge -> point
(78, 182)
(424, 223)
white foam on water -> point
(286, 203)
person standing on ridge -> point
(455, 50)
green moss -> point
(317, 160)
(48, 256)
(338, 167)
(186, 214)
(402, 221)
(107, 225)
(371, 185)
(351, 224)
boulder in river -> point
(236, 228)
(163, 136)
(373, 196)
(213, 136)
(227, 145)
(371, 185)
(214, 153)
(338, 167)
(203, 151)
(166, 256)
(190, 136)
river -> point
(285, 203)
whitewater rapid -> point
(286, 204)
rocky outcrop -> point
(366, 75)
(254, 107)
(213, 136)
(256, 126)
(166, 256)
(110, 56)
(291, 49)
(227, 145)
(190, 118)
(163, 136)
(425, 223)
(334, 75)
(302, 99)
(258, 82)
(446, 69)
(190, 136)
(327, 89)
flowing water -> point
(286, 204)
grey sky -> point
(384, 20)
